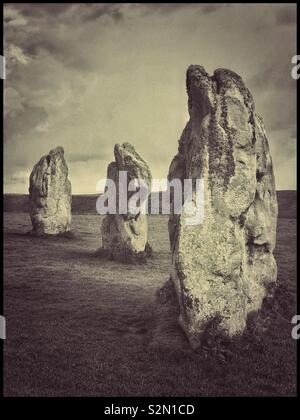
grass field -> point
(80, 326)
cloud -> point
(22, 120)
(277, 95)
(87, 76)
(32, 10)
(95, 11)
(12, 101)
(67, 12)
(274, 77)
(12, 17)
(117, 11)
(167, 8)
(286, 16)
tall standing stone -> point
(125, 236)
(223, 268)
(50, 194)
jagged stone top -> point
(52, 164)
(54, 154)
(222, 116)
(202, 88)
(129, 160)
(59, 150)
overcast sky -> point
(87, 76)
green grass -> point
(78, 325)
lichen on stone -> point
(222, 269)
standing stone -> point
(50, 194)
(125, 236)
(223, 268)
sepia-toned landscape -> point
(80, 326)
(187, 111)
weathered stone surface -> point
(124, 236)
(50, 194)
(223, 268)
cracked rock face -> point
(124, 236)
(50, 194)
(224, 267)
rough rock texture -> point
(124, 236)
(50, 194)
(223, 268)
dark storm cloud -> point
(39, 38)
(44, 15)
(92, 11)
(87, 76)
(96, 11)
(8, 19)
(286, 16)
(48, 29)
(81, 11)
(33, 44)
(39, 10)
(167, 8)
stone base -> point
(127, 256)
(212, 340)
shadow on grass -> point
(62, 235)
(260, 336)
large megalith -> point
(50, 194)
(224, 267)
(125, 233)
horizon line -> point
(98, 193)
